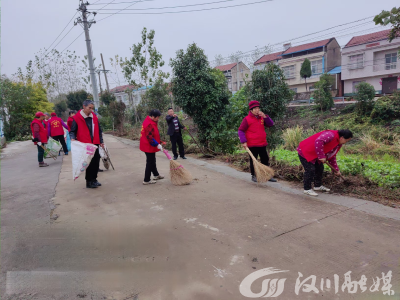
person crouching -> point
(315, 150)
(86, 129)
(150, 144)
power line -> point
(120, 2)
(171, 6)
(60, 40)
(185, 11)
(120, 10)
(72, 42)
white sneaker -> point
(158, 177)
(150, 182)
(310, 193)
(322, 189)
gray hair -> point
(47, 114)
(87, 102)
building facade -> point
(129, 94)
(373, 59)
(235, 75)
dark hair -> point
(347, 134)
(71, 112)
(155, 113)
(170, 108)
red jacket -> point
(69, 122)
(149, 135)
(42, 131)
(255, 133)
(308, 145)
(55, 126)
(83, 134)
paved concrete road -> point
(129, 241)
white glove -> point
(159, 147)
(39, 143)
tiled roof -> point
(226, 67)
(368, 38)
(268, 57)
(122, 88)
(308, 46)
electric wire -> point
(150, 8)
(119, 11)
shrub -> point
(292, 137)
(386, 108)
(323, 95)
(364, 97)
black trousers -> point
(313, 173)
(259, 151)
(151, 166)
(40, 153)
(177, 138)
(93, 168)
(61, 139)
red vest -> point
(55, 126)
(69, 122)
(42, 131)
(308, 145)
(144, 143)
(83, 134)
(255, 133)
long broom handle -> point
(51, 154)
(201, 149)
(108, 156)
(334, 170)
(167, 154)
(251, 154)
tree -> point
(142, 68)
(60, 107)
(117, 112)
(305, 71)
(364, 96)
(269, 87)
(106, 98)
(200, 91)
(75, 99)
(322, 94)
(157, 97)
(390, 17)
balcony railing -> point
(379, 66)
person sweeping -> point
(252, 135)
(150, 145)
(55, 130)
(39, 134)
(317, 149)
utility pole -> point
(237, 74)
(86, 26)
(105, 73)
(101, 91)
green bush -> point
(323, 95)
(386, 108)
(106, 123)
(364, 97)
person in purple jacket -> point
(252, 135)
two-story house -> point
(267, 59)
(371, 58)
(129, 94)
(235, 75)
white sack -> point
(53, 146)
(82, 154)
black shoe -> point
(91, 185)
(97, 183)
(100, 170)
(273, 180)
(253, 178)
(66, 153)
(175, 157)
(183, 157)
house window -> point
(355, 83)
(294, 90)
(289, 71)
(316, 67)
(356, 61)
(391, 61)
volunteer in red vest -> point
(86, 129)
(39, 134)
(150, 144)
(71, 115)
(252, 135)
(315, 151)
(46, 120)
(56, 131)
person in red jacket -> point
(39, 134)
(252, 135)
(150, 144)
(86, 129)
(71, 115)
(315, 151)
(55, 130)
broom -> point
(179, 175)
(263, 172)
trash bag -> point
(82, 154)
(68, 141)
(53, 146)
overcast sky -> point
(27, 26)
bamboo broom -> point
(263, 172)
(179, 175)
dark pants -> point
(313, 173)
(40, 153)
(177, 138)
(93, 168)
(259, 151)
(61, 139)
(150, 166)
